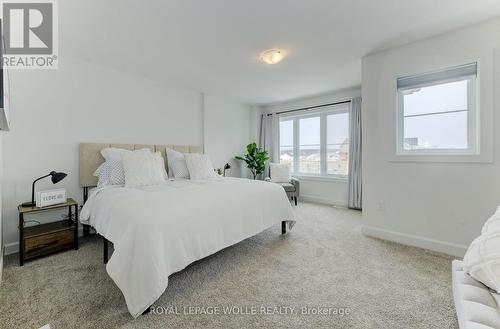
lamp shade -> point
(57, 176)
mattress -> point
(476, 305)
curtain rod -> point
(310, 107)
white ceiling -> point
(213, 45)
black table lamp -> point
(226, 166)
(56, 177)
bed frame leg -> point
(105, 251)
(86, 230)
(147, 311)
(283, 227)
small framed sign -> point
(50, 197)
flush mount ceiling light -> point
(272, 56)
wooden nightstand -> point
(47, 238)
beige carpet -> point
(324, 262)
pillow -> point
(280, 173)
(176, 164)
(143, 169)
(199, 166)
(482, 259)
(114, 153)
(493, 223)
(161, 165)
(110, 173)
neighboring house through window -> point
(316, 143)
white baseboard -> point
(13, 247)
(415, 241)
(316, 199)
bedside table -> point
(43, 239)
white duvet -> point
(159, 230)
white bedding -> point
(159, 230)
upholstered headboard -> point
(91, 158)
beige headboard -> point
(91, 158)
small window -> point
(437, 112)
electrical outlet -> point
(381, 206)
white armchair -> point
(290, 185)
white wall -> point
(322, 190)
(255, 118)
(439, 206)
(227, 133)
(54, 110)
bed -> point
(159, 230)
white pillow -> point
(143, 168)
(116, 154)
(113, 153)
(199, 166)
(176, 164)
(482, 259)
(280, 173)
(161, 165)
(110, 173)
(493, 223)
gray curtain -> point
(355, 179)
(269, 138)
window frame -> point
(322, 114)
(473, 130)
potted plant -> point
(255, 159)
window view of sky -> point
(309, 157)
(338, 131)
(286, 134)
(436, 117)
(309, 133)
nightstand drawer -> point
(49, 242)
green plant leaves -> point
(255, 159)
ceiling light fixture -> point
(272, 56)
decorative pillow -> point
(142, 169)
(493, 223)
(482, 259)
(113, 153)
(199, 166)
(161, 165)
(280, 173)
(176, 164)
(110, 173)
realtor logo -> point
(29, 34)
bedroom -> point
(123, 83)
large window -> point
(316, 143)
(437, 112)
(286, 143)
